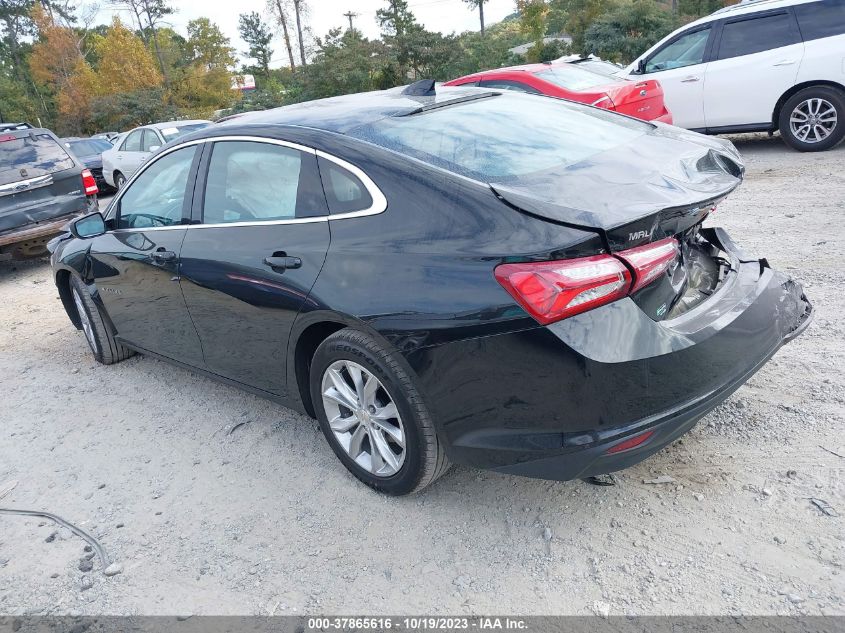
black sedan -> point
(501, 280)
(89, 151)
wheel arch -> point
(798, 88)
(63, 276)
(307, 342)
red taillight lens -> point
(89, 183)
(551, 291)
(650, 260)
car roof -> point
(338, 114)
(165, 124)
(747, 6)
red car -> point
(640, 99)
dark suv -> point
(42, 187)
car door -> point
(135, 264)
(150, 143)
(755, 62)
(128, 157)
(259, 241)
(680, 66)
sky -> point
(445, 16)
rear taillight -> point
(551, 291)
(650, 260)
(630, 443)
(89, 183)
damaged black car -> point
(506, 281)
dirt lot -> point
(265, 520)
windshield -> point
(89, 147)
(572, 77)
(30, 156)
(504, 137)
(169, 133)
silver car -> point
(132, 148)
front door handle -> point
(162, 255)
(690, 79)
(283, 262)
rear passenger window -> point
(821, 19)
(252, 181)
(756, 35)
(132, 142)
(344, 191)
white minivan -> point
(761, 65)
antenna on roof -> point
(421, 88)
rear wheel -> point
(119, 180)
(373, 416)
(105, 348)
(813, 119)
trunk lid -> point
(641, 99)
(664, 184)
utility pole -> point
(349, 15)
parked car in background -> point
(109, 136)
(473, 276)
(89, 151)
(640, 99)
(42, 187)
(135, 146)
(6, 127)
(757, 67)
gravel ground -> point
(264, 520)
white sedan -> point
(134, 147)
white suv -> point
(759, 65)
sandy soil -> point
(265, 520)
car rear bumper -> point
(551, 401)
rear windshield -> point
(169, 133)
(505, 137)
(89, 147)
(30, 156)
(572, 77)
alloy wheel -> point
(813, 120)
(363, 418)
(83, 318)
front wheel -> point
(119, 180)
(373, 416)
(103, 345)
(813, 119)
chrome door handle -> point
(690, 79)
(785, 62)
(163, 256)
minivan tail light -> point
(650, 260)
(89, 183)
(551, 291)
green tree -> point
(257, 34)
(396, 18)
(533, 23)
(579, 15)
(699, 8)
(628, 30)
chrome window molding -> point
(379, 204)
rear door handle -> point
(163, 256)
(283, 262)
(690, 79)
(785, 62)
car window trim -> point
(379, 204)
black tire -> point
(831, 96)
(105, 348)
(119, 181)
(424, 458)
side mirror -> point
(87, 226)
(641, 67)
(154, 147)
